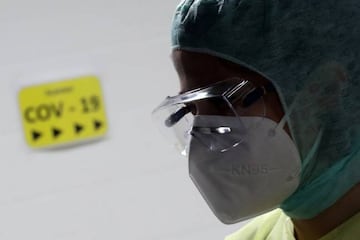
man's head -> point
(300, 47)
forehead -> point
(199, 70)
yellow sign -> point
(63, 112)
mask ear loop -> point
(286, 116)
(306, 161)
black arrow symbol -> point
(56, 132)
(97, 124)
(36, 135)
(78, 128)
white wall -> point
(131, 185)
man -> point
(268, 113)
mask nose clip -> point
(212, 130)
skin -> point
(198, 70)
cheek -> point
(258, 108)
(274, 109)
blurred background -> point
(129, 185)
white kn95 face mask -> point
(248, 179)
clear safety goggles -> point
(232, 97)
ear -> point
(337, 70)
(327, 80)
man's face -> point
(199, 70)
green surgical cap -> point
(310, 51)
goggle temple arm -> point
(257, 93)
